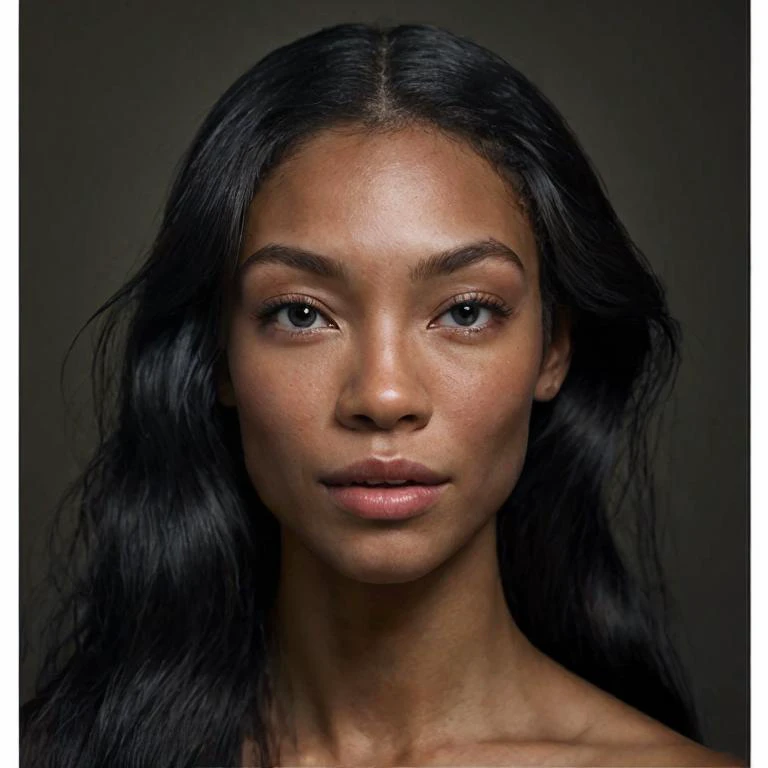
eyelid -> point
(494, 304)
(268, 310)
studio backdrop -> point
(112, 93)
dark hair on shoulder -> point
(163, 660)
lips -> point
(379, 472)
(385, 490)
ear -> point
(225, 392)
(557, 356)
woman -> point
(382, 390)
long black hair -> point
(165, 657)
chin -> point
(380, 562)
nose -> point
(383, 389)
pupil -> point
(301, 315)
(465, 314)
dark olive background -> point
(112, 92)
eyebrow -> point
(435, 265)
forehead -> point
(389, 194)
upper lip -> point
(381, 471)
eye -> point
(467, 313)
(298, 316)
(473, 313)
(293, 316)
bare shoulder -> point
(595, 755)
(689, 754)
(590, 727)
(627, 737)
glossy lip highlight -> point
(380, 503)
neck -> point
(373, 670)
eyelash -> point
(267, 314)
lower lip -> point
(394, 503)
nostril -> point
(363, 405)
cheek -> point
(281, 411)
(490, 422)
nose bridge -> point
(383, 349)
(383, 385)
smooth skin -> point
(396, 644)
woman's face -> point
(388, 308)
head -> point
(387, 305)
(378, 150)
(382, 243)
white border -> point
(758, 409)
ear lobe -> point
(556, 359)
